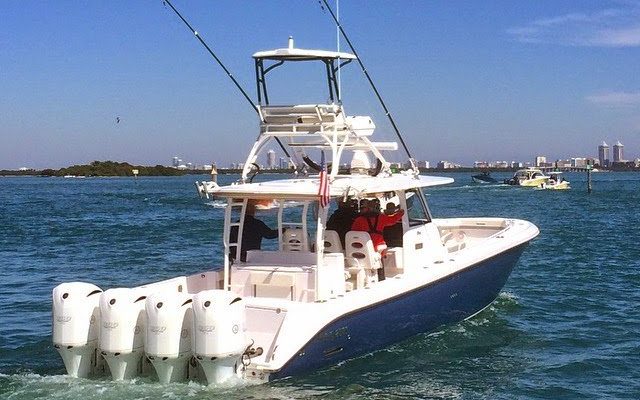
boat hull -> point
(534, 182)
(448, 300)
(558, 186)
(483, 179)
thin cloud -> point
(619, 38)
(613, 27)
(615, 99)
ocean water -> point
(566, 325)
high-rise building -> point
(617, 152)
(541, 161)
(271, 159)
(603, 154)
(175, 162)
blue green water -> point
(567, 324)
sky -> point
(464, 80)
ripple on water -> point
(565, 326)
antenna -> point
(338, 48)
(373, 86)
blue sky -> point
(465, 80)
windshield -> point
(416, 209)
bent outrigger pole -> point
(224, 68)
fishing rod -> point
(244, 93)
(373, 86)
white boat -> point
(308, 302)
(555, 182)
(531, 177)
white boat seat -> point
(362, 259)
(295, 240)
(332, 242)
(308, 112)
(302, 119)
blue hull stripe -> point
(450, 299)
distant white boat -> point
(556, 182)
(532, 177)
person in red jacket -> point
(373, 222)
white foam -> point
(508, 296)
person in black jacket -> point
(393, 233)
(341, 219)
(253, 231)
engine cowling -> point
(122, 331)
(219, 333)
(168, 334)
(76, 326)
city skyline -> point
(499, 81)
(602, 158)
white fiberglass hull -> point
(277, 337)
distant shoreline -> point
(118, 169)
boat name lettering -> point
(63, 318)
(331, 335)
(158, 329)
(206, 328)
(109, 325)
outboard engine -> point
(76, 325)
(219, 333)
(122, 331)
(168, 337)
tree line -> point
(103, 168)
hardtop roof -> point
(307, 188)
(294, 54)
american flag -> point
(323, 190)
